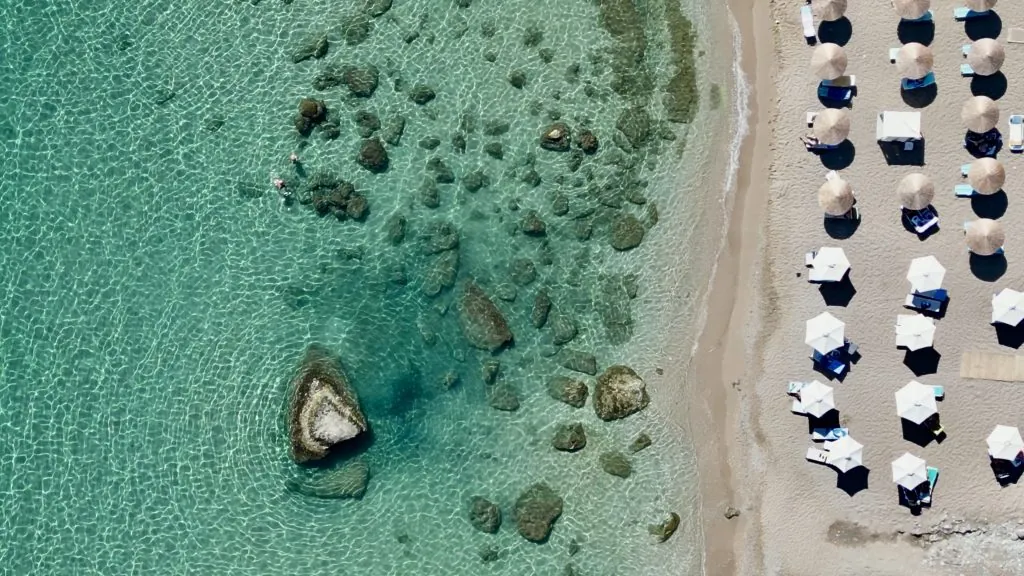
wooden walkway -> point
(990, 366)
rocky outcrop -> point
(616, 464)
(324, 411)
(536, 510)
(483, 324)
(665, 529)
(556, 137)
(569, 390)
(349, 481)
(619, 393)
(484, 515)
(569, 437)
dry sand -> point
(800, 518)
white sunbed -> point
(816, 455)
(809, 259)
(810, 118)
(807, 19)
(842, 82)
(1016, 138)
(893, 53)
(831, 175)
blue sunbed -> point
(921, 220)
(830, 362)
(928, 80)
(966, 71)
(933, 477)
(964, 13)
(838, 93)
(922, 303)
(965, 50)
(940, 295)
(927, 17)
(828, 434)
(963, 190)
(965, 169)
(939, 391)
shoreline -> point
(714, 411)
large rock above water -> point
(483, 324)
(324, 410)
(536, 511)
(619, 393)
(349, 481)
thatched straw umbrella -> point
(986, 56)
(987, 175)
(911, 9)
(835, 197)
(828, 9)
(914, 61)
(980, 114)
(828, 61)
(985, 237)
(916, 191)
(979, 5)
(832, 126)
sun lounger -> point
(831, 175)
(842, 82)
(795, 387)
(830, 362)
(966, 71)
(939, 295)
(921, 220)
(933, 478)
(909, 84)
(853, 214)
(965, 169)
(964, 13)
(816, 455)
(926, 17)
(965, 50)
(893, 53)
(797, 407)
(810, 118)
(828, 434)
(809, 259)
(839, 94)
(939, 391)
(1016, 138)
(851, 348)
(807, 19)
(922, 303)
(963, 190)
(1016, 36)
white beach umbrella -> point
(1005, 443)
(926, 274)
(911, 9)
(987, 175)
(846, 454)
(828, 9)
(916, 191)
(1008, 307)
(825, 333)
(835, 197)
(914, 60)
(828, 61)
(817, 399)
(909, 471)
(980, 114)
(831, 126)
(980, 5)
(916, 402)
(914, 331)
(985, 236)
(829, 264)
(986, 56)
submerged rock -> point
(324, 410)
(361, 81)
(496, 127)
(349, 481)
(503, 398)
(627, 232)
(366, 123)
(442, 273)
(569, 437)
(429, 142)
(616, 464)
(522, 271)
(313, 47)
(639, 443)
(377, 8)
(442, 172)
(664, 530)
(556, 137)
(569, 390)
(421, 94)
(494, 150)
(439, 237)
(541, 309)
(635, 124)
(517, 78)
(532, 225)
(356, 30)
(588, 142)
(393, 130)
(563, 329)
(430, 197)
(536, 511)
(489, 370)
(373, 156)
(619, 393)
(484, 515)
(578, 361)
(475, 180)
(483, 324)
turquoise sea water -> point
(158, 293)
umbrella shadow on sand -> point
(920, 434)
(841, 229)
(988, 26)
(921, 32)
(1010, 336)
(854, 480)
(837, 31)
(922, 362)
(897, 155)
(839, 158)
(838, 293)
(992, 206)
(993, 86)
(920, 97)
(988, 268)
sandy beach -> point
(797, 517)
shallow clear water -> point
(158, 295)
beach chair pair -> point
(910, 84)
(921, 220)
(841, 89)
(1016, 139)
(922, 303)
(963, 13)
